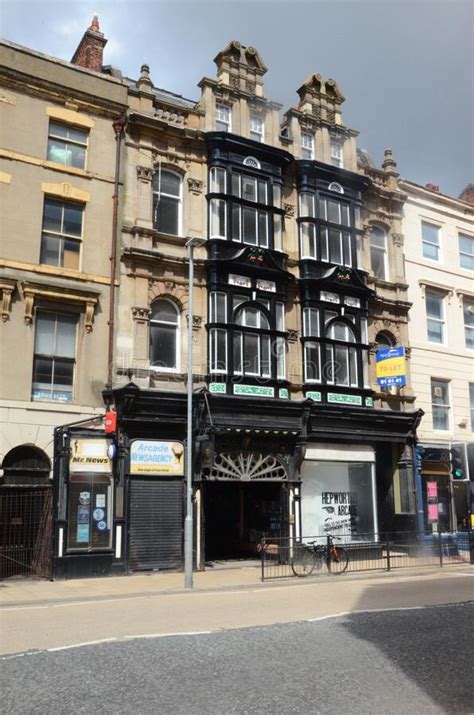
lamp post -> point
(191, 244)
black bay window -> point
(335, 349)
(246, 334)
(245, 207)
(328, 228)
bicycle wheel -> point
(303, 562)
(338, 560)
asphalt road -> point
(404, 661)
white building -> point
(439, 255)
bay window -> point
(246, 337)
(245, 209)
(327, 231)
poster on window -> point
(338, 498)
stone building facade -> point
(300, 279)
(439, 259)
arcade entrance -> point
(238, 514)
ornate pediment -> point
(342, 277)
(253, 257)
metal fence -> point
(25, 531)
(370, 552)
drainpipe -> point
(118, 127)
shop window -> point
(430, 241)
(307, 146)
(468, 311)
(164, 336)
(90, 512)
(403, 490)
(67, 145)
(378, 253)
(223, 118)
(440, 406)
(466, 252)
(338, 497)
(54, 358)
(435, 317)
(61, 233)
(167, 208)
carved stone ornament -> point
(142, 315)
(144, 173)
(398, 239)
(292, 336)
(289, 210)
(197, 322)
(195, 185)
(7, 287)
(89, 317)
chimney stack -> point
(433, 187)
(90, 51)
(467, 194)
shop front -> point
(87, 506)
(338, 492)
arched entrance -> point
(245, 497)
(25, 513)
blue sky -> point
(404, 66)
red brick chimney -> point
(467, 194)
(90, 50)
(433, 187)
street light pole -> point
(191, 244)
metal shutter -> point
(156, 524)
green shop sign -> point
(283, 393)
(315, 396)
(217, 388)
(254, 390)
(337, 399)
(369, 401)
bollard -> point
(387, 546)
(440, 548)
(471, 546)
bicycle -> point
(311, 556)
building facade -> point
(439, 259)
(291, 438)
(300, 280)
(57, 179)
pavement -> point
(42, 615)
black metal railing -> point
(25, 531)
(366, 552)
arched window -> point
(342, 358)
(167, 202)
(384, 340)
(26, 465)
(164, 336)
(378, 253)
(252, 344)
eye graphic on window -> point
(329, 509)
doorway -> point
(238, 514)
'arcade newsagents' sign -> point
(390, 363)
(157, 457)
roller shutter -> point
(156, 524)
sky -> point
(405, 67)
